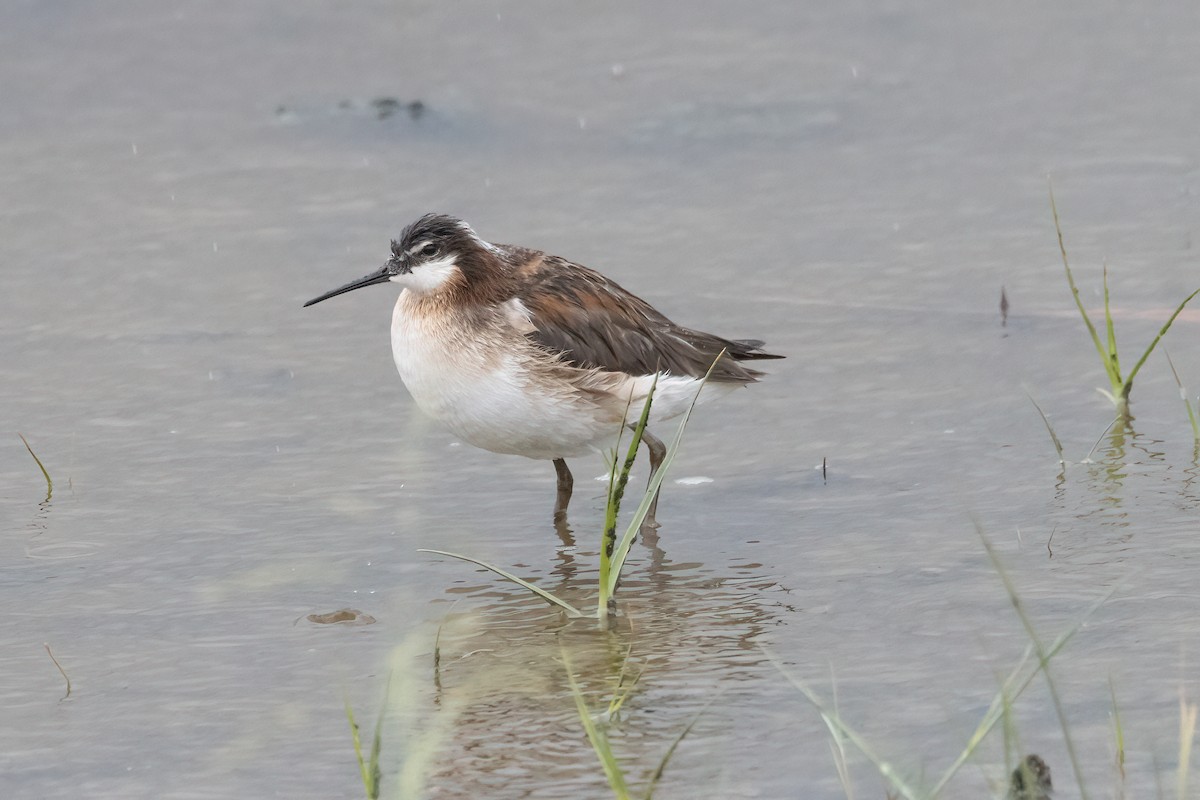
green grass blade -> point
(639, 516)
(624, 688)
(1045, 421)
(571, 610)
(41, 466)
(371, 789)
(1128, 385)
(832, 719)
(368, 767)
(1184, 396)
(666, 759)
(377, 742)
(612, 471)
(1062, 248)
(838, 746)
(1043, 657)
(1114, 361)
(596, 735)
(1012, 688)
(617, 483)
(1118, 734)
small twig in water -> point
(1184, 396)
(1088, 457)
(1003, 308)
(1048, 541)
(55, 660)
(1050, 429)
(41, 466)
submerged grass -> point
(1118, 740)
(412, 746)
(596, 728)
(1120, 385)
(597, 734)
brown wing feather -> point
(593, 322)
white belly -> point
(480, 388)
(487, 388)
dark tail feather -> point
(749, 350)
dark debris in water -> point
(1030, 780)
(382, 108)
(344, 616)
(388, 106)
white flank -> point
(672, 395)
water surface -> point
(852, 183)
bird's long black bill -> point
(380, 276)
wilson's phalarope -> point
(518, 351)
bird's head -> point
(434, 254)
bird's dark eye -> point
(429, 249)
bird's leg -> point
(658, 451)
(565, 484)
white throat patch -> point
(429, 277)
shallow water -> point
(853, 183)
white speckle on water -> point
(948, 430)
(693, 480)
(582, 123)
(214, 247)
(618, 70)
(133, 145)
